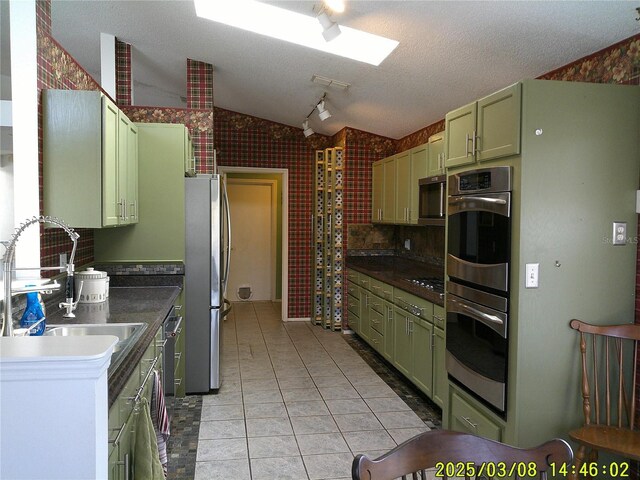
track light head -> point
(330, 30)
(306, 129)
(323, 113)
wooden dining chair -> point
(609, 355)
(442, 454)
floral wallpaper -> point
(619, 63)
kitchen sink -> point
(127, 334)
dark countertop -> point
(143, 304)
(395, 271)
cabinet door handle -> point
(473, 143)
(433, 339)
(473, 425)
(466, 145)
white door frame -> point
(284, 175)
(273, 202)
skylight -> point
(296, 28)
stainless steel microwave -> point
(432, 200)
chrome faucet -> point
(8, 258)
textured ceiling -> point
(450, 53)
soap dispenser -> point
(34, 312)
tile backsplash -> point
(426, 243)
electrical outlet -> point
(619, 233)
(407, 244)
(531, 279)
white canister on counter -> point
(95, 285)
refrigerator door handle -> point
(225, 279)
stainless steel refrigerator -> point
(208, 235)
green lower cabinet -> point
(402, 341)
(440, 382)
(363, 329)
(467, 415)
(123, 415)
(422, 355)
(353, 305)
(389, 333)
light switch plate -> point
(531, 278)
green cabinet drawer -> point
(381, 289)
(439, 319)
(414, 305)
(353, 289)
(376, 319)
(465, 417)
(364, 281)
(353, 303)
(352, 276)
(376, 304)
(376, 340)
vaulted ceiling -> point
(450, 53)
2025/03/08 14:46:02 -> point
(522, 469)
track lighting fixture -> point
(330, 29)
(306, 129)
(323, 113)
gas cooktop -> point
(434, 284)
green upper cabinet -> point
(395, 186)
(389, 197)
(377, 192)
(419, 163)
(159, 232)
(403, 192)
(460, 126)
(484, 130)
(127, 170)
(87, 144)
(436, 155)
(111, 208)
(499, 124)
(132, 173)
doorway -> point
(253, 215)
(258, 200)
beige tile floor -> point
(297, 402)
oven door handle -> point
(492, 321)
(497, 201)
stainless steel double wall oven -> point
(478, 256)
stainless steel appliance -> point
(479, 248)
(432, 200)
(208, 235)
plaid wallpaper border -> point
(43, 15)
(199, 84)
(123, 74)
(200, 97)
